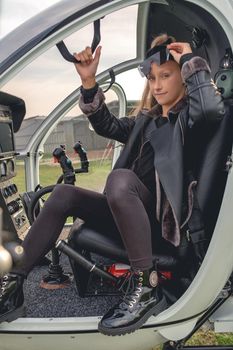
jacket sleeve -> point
(105, 123)
(205, 101)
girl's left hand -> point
(179, 49)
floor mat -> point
(61, 302)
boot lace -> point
(132, 288)
(4, 284)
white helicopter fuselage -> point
(80, 333)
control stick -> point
(60, 157)
(56, 278)
(78, 148)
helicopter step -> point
(223, 317)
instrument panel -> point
(15, 218)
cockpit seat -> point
(99, 243)
(212, 176)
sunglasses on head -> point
(158, 54)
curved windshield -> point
(13, 13)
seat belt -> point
(96, 40)
(195, 232)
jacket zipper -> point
(182, 130)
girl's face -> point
(166, 84)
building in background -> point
(67, 132)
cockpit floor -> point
(63, 302)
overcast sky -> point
(49, 79)
(15, 12)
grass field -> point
(95, 180)
(49, 173)
(204, 338)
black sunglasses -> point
(158, 54)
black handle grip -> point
(96, 39)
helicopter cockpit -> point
(95, 261)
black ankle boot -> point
(11, 297)
(143, 298)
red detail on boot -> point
(118, 269)
(165, 275)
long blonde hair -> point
(148, 101)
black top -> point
(143, 161)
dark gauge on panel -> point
(14, 188)
(10, 166)
(3, 169)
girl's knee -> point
(118, 184)
(58, 191)
(61, 197)
(119, 176)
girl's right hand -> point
(88, 66)
(178, 49)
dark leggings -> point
(126, 211)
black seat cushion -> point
(99, 243)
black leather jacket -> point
(204, 106)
